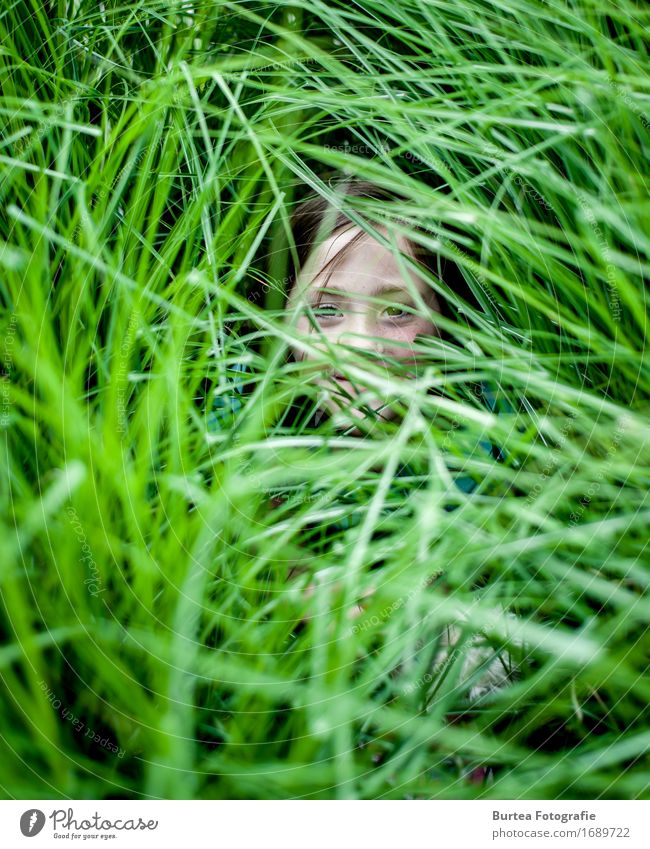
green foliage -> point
(167, 631)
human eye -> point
(327, 311)
(396, 312)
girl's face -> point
(346, 314)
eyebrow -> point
(375, 293)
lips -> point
(340, 379)
(345, 385)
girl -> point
(348, 291)
(360, 298)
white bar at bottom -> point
(326, 824)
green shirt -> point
(227, 405)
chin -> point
(346, 414)
(336, 403)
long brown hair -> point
(316, 218)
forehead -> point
(357, 267)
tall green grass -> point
(166, 633)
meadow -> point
(166, 632)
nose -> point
(354, 340)
(357, 333)
(360, 340)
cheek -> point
(406, 335)
(304, 328)
(302, 325)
